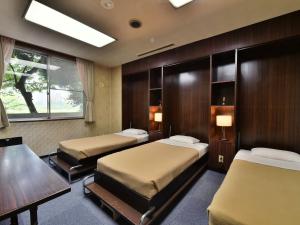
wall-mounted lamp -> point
(224, 121)
(158, 118)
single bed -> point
(147, 176)
(77, 155)
(258, 190)
(83, 148)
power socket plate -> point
(221, 159)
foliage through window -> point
(38, 85)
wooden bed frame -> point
(74, 167)
(134, 207)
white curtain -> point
(86, 73)
(6, 49)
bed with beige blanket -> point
(258, 191)
(92, 146)
(149, 168)
(77, 157)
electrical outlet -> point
(221, 159)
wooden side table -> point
(221, 154)
(155, 135)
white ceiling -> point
(162, 24)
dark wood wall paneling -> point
(269, 30)
(268, 83)
(135, 101)
(186, 99)
(269, 96)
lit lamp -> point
(224, 121)
(158, 118)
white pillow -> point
(134, 131)
(276, 154)
(185, 139)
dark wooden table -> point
(26, 181)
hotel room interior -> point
(144, 112)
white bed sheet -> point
(200, 147)
(140, 138)
(247, 156)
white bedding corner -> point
(141, 138)
(247, 156)
(200, 147)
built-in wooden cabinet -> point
(223, 78)
(186, 98)
(253, 78)
(221, 154)
(223, 102)
(155, 101)
(155, 135)
(142, 99)
(135, 100)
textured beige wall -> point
(43, 137)
(102, 100)
(116, 99)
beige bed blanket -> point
(90, 146)
(147, 169)
(255, 194)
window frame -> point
(15, 118)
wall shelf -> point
(155, 97)
(222, 82)
(155, 89)
(223, 93)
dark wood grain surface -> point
(186, 99)
(265, 93)
(224, 148)
(26, 181)
(135, 98)
(269, 96)
(274, 29)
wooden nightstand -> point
(221, 154)
(155, 135)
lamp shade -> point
(224, 121)
(158, 117)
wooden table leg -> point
(14, 220)
(33, 216)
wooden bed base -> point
(73, 167)
(70, 170)
(135, 208)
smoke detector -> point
(107, 4)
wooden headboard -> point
(186, 99)
(269, 96)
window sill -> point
(43, 119)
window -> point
(38, 85)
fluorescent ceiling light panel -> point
(179, 3)
(54, 20)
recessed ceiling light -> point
(107, 4)
(179, 3)
(134, 23)
(54, 20)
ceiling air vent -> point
(155, 50)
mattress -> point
(258, 191)
(147, 169)
(91, 146)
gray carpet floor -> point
(76, 209)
